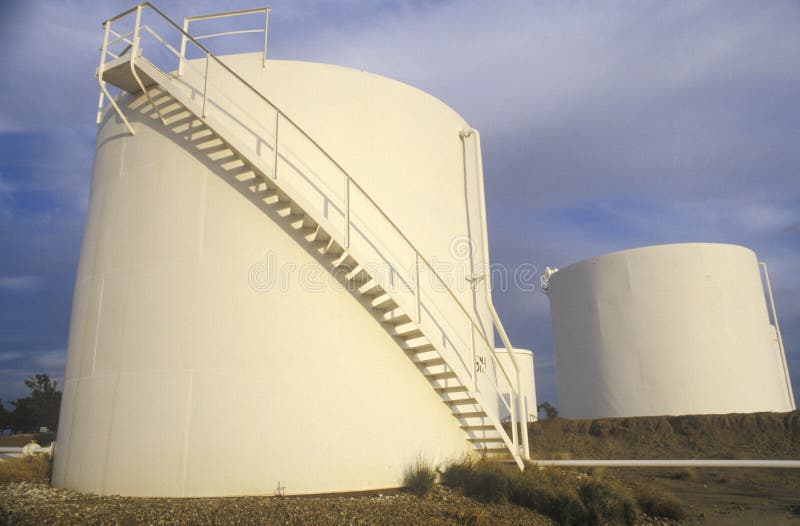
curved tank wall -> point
(525, 359)
(664, 330)
(183, 379)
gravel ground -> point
(37, 503)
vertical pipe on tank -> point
(495, 317)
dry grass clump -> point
(551, 492)
(484, 481)
(471, 518)
(607, 502)
(34, 468)
(420, 478)
(565, 496)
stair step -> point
(457, 401)
(359, 275)
(242, 173)
(382, 300)
(270, 194)
(201, 133)
(344, 261)
(173, 110)
(445, 375)
(370, 288)
(288, 208)
(333, 248)
(430, 362)
(213, 144)
(316, 235)
(321, 235)
(193, 129)
(455, 389)
(395, 316)
(494, 450)
(405, 329)
(307, 232)
(187, 126)
(470, 414)
(418, 343)
(308, 222)
(161, 98)
(222, 156)
(177, 118)
(487, 439)
(478, 427)
(295, 220)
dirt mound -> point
(732, 436)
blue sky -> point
(605, 124)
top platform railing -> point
(424, 301)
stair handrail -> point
(514, 387)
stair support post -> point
(205, 85)
(275, 149)
(104, 94)
(346, 211)
(417, 298)
(182, 58)
(474, 356)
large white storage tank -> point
(664, 330)
(214, 350)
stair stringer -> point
(453, 360)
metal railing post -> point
(514, 420)
(182, 58)
(136, 27)
(205, 85)
(100, 69)
(474, 356)
(346, 211)
(275, 151)
(417, 292)
(523, 419)
(266, 25)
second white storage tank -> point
(670, 329)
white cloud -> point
(10, 355)
(20, 283)
(51, 360)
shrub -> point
(607, 502)
(456, 474)
(420, 478)
(551, 492)
(34, 468)
(659, 503)
(488, 482)
(565, 496)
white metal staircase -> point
(343, 224)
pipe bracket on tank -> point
(544, 279)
